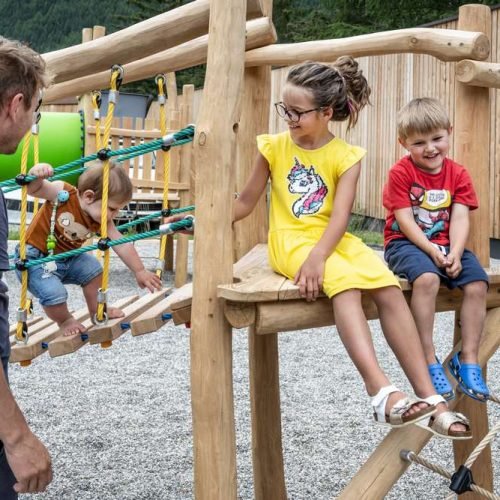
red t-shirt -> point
(431, 197)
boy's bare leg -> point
(66, 321)
(404, 341)
(423, 307)
(90, 293)
(356, 337)
(472, 317)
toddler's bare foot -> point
(71, 327)
(114, 312)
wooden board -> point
(67, 344)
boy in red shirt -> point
(428, 198)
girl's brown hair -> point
(340, 86)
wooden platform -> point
(272, 303)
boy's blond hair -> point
(22, 70)
(422, 116)
(120, 186)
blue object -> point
(125, 326)
(470, 378)
(62, 196)
(440, 381)
(166, 316)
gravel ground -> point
(118, 421)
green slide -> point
(61, 141)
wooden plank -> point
(67, 344)
(151, 320)
(155, 184)
(130, 133)
(114, 328)
(38, 343)
(33, 328)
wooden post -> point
(472, 132)
(186, 197)
(85, 100)
(211, 343)
(267, 454)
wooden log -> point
(384, 467)
(446, 45)
(267, 454)
(67, 344)
(472, 142)
(480, 74)
(129, 132)
(186, 197)
(214, 444)
(259, 32)
(109, 332)
(137, 41)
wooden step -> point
(105, 334)
(153, 319)
(67, 344)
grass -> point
(355, 227)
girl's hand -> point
(454, 267)
(149, 280)
(41, 171)
(309, 278)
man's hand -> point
(30, 462)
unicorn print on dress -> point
(310, 185)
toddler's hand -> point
(149, 280)
(42, 171)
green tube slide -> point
(61, 141)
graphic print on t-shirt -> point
(310, 186)
(431, 209)
(72, 231)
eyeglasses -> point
(291, 114)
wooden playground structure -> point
(234, 109)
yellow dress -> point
(303, 184)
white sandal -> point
(396, 416)
(441, 424)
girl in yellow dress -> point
(313, 178)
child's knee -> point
(476, 290)
(427, 282)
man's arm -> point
(27, 456)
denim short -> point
(407, 260)
(49, 288)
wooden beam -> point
(472, 143)
(446, 45)
(480, 74)
(214, 442)
(135, 42)
(193, 53)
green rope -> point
(177, 139)
(174, 226)
(153, 215)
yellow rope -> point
(115, 73)
(36, 159)
(23, 305)
(161, 81)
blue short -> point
(407, 260)
(49, 288)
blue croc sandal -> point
(469, 378)
(440, 381)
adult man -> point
(25, 465)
